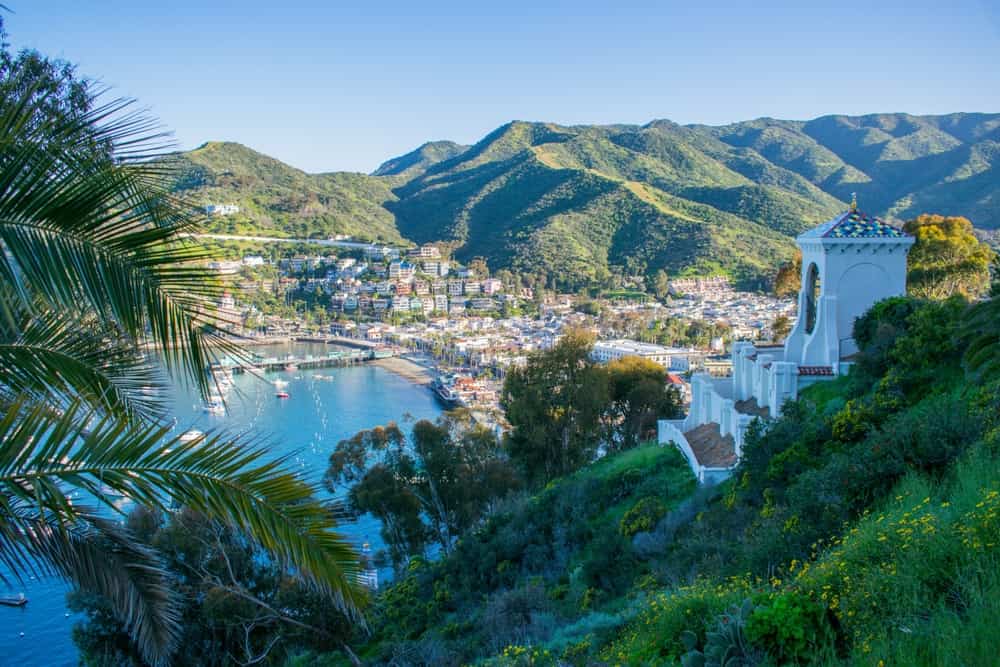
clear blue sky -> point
(344, 85)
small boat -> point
(191, 435)
(281, 394)
(111, 493)
(291, 367)
(216, 407)
(14, 600)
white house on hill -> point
(848, 264)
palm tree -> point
(94, 264)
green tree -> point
(639, 395)
(554, 404)
(94, 264)
(789, 277)
(661, 284)
(947, 258)
(239, 606)
(780, 328)
(430, 488)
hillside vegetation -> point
(278, 200)
(571, 203)
(861, 527)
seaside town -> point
(451, 335)
(457, 329)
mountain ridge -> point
(571, 203)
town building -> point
(253, 260)
(699, 286)
(672, 358)
(222, 209)
(426, 251)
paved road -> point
(274, 239)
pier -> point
(335, 358)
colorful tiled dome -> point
(858, 225)
(854, 224)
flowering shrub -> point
(643, 516)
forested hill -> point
(572, 202)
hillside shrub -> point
(642, 517)
(791, 628)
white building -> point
(426, 251)
(222, 209)
(225, 268)
(253, 260)
(401, 271)
(848, 264)
(673, 358)
(437, 268)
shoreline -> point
(407, 369)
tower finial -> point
(854, 202)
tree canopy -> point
(947, 258)
(554, 404)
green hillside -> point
(279, 200)
(416, 162)
(572, 203)
(861, 527)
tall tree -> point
(947, 258)
(430, 488)
(661, 284)
(554, 404)
(780, 328)
(639, 395)
(789, 277)
(94, 263)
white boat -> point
(280, 383)
(189, 436)
(215, 408)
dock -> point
(256, 363)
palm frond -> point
(57, 358)
(86, 232)
(225, 478)
(99, 556)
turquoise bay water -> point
(309, 424)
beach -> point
(406, 368)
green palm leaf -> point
(40, 455)
(86, 232)
(99, 556)
(95, 262)
(58, 358)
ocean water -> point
(318, 414)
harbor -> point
(254, 362)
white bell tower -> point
(848, 264)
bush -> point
(791, 628)
(643, 516)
